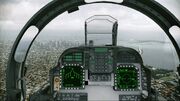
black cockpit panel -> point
(105, 69)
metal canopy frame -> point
(15, 84)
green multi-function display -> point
(72, 77)
(101, 50)
(126, 77)
(77, 57)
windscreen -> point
(66, 31)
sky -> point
(15, 13)
(133, 25)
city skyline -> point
(119, 68)
(133, 25)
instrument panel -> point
(99, 73)
(127, 77)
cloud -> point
(128, 19)
(13, 16)
(9, 1)
(5, 10)
(19, 1)
(18, 12)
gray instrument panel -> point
(106, 75)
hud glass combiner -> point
(101, 30)
(155, 11)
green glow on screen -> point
(78, 57)
(72, 76)
(101, 49)
(126, 77)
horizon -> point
(135, 29)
